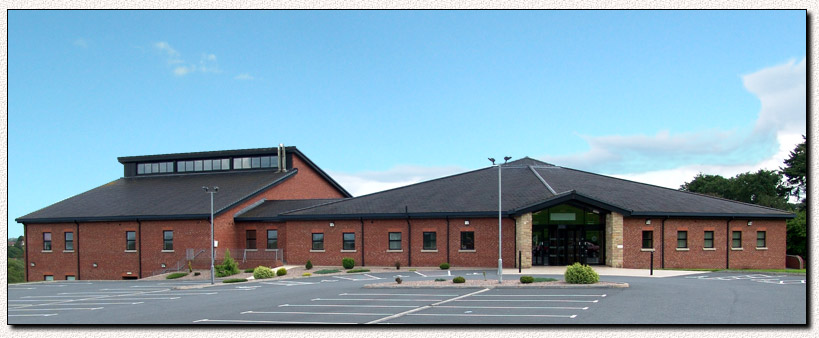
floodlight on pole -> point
(500, 229)
(211, 191)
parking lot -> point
(713, 298)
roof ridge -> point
(677, 190)
(287, 175)
(313, 206)
(542, 180)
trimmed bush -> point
(234, 280)
(444, 266)
(347, 262)
(398, 265)
(527, 279)
(580, 274)
(229, 267)
(263, 272)
(281, 272)
(459, 280)
(541, 280)
(440, 280)
(309, 265)
(176, 275)
(306, 274)
(358, 270)
(323, 272)
(250, 269)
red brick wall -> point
(56, 263)
(262, 256)
(376, 232)
(696, 257)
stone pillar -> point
(614, 240)
(523, 231)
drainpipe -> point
(727, 243)
(516, 240)
(139, 253)
(409, 235)
(447, 240)
(362, 240)
(77, 248)
(25, 241)
(662, 248)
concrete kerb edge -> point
(449, 286)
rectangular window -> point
(48, 277)
(188, 165)
(130, 240)
(250, 242)
(648, 239)
(255, 162)
(736, 241)
(348, 241)
(318, 242)
(140, 168)
(246, 163)
(226, 164)
(395, 241)
(467, 240)
(69, 241)
(217, 165)
(70, 277)
(154, 168)
(709, 240)
(429, 241)
(167, 236)
(682, 239)
(47, 241)
(180, 166)
(760, 239)
(272, 239)
(265, 161)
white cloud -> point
(243, 76)
(182, 70)
(207, 62)
(366, 182)
(166, 48)
(81, 43)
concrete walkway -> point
(602, 271)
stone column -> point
(614, 240)
(523, 231)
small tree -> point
(229, 267)
(309, 265)
(347, 263)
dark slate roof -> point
(530, 185)
(172, 196)
(270, 210)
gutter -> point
(362, 241)
(139, 253)
(77, 248)
(409, 235)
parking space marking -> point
(513, 307)
(317, 313)
(263, 321)
(34, 315)
(148, 298)
(422, 275)
(22, 288)
(288, 283)
(180, 294)
(603, 295)
(73, 304)
(376, 299)
(329, 280)
(425, 307)
(371, 277)
(394, 294)
(760, 278)
(344, 305)
(526, 300)
(487, 315)
(63, 309)
(94, 292)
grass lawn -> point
(322, 272)
(540, 279)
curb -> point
(567, 286)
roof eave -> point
(417, 215)
(710, 215)
(110, 218)
(571, 196)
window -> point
(254, 162)
(709, 240)
(69, 241)
(736, 237)
(648, 239)
(130, 240)
(250, 243)
(429, 241)
(197, 165)
(167, 236)
(348, 241)
(682, 239)
(467, 240)
(70, 277)
(318, 242)
(48, 277)
(272, 239)
(154, 168)
(760, 239)
(46, 241)
(395, 241)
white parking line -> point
(22, 288)
(540, 295)
(526, 300)
(344, 305)
(424, 307)
(179, 293)
(328, 281)
(81, 296)
(147, 298)
(34, 315)
(513, 307)
(373, 277)
(288, 283)
(72, 304)
(422, 275)
(263, 321)
(318, 313)
(476, 315)
(93, 292)
(394, 294)
(377, 299)
(131, 290)
(63, 309)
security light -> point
(492, 160)
(506, 158)
(648, 222)
(332, 224)
(750, 223)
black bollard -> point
(652, 263)
(520, 262)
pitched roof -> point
(530, 185)
(268, 210)
(172, 196)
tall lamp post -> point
(500, 232)
(211, 191)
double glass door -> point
(565, 245)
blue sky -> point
(381, 99)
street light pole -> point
(211, 192)
(500, 229)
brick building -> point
(156, 218)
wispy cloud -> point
(243, 76)
(80, 42)
(207, 62)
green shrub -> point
(15, 252)
(459, 280)
(309, 265)
(16, 270)
(306, 274)
(176, 275)
(234, 280)
(323, 272)
(347, 263)
(540, 279)
(398, 265)
(197, 273)
(444, 266)
(358, 270)
(580, 274)
(440, 280)
(263, 272)
(229, 267)
(398, 280)
(281, 272)
(250, 269)
(527, 279)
